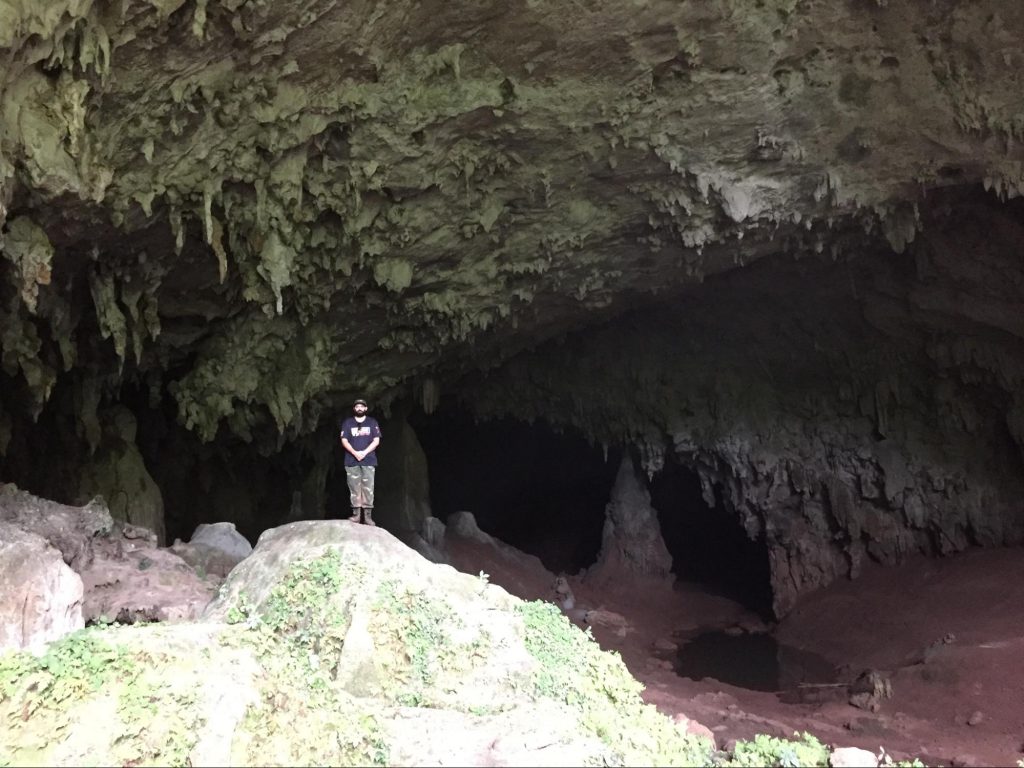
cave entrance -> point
(707, 543)
(541, 491)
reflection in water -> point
(754, 661)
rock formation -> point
(779, 240)
(42, 599)
(64, 567)
(632, 549)
(336, 644)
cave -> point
(708, 544)
(540, 490)
(769, 253)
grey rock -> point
(631, 544)
(463, 523)
(852, 757)
(41, 599)
(224, 537)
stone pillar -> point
(632, 546)
(118, 473)
(402, 491)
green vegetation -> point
(87, 675)
(769, 750)
(304, 716)
(428, 651)
(71, 668)
(159, 720)
(574, 670)
(420, 626)
(311, 671)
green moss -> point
(428, 650)
(72, 667)
(573, 669)
(158, 723)
(303, 715)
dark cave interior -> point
(541, 491)
(545, 492)
(708, 545)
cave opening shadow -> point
(708, 544)
(541, 491)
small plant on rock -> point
(298, 632)
(766, 750)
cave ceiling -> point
(258, 209)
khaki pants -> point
(360, 486)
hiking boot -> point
(368, 516)
(354, 517)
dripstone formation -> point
(779, 241)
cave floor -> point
(948, 633)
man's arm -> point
(370, 448)
(373, 443)
(348, 447)
(360, 455)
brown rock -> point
(130, 584)
(605, 618)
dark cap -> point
(360, 401)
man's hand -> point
(360, 455)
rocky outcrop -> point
(132, 580)
(117, 571)
(215, 548)
(118, 473)
(334, 628)
(73, 531)
(42, 596)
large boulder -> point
(133, 581)
(215, 548)
(71, 530)
(41, 597)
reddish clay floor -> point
(948, 634)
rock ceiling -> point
(260, 208)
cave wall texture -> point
(783, 236)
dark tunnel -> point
(708, 545)
(541, 491)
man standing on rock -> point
(360, 436)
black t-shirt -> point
(359, 436)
